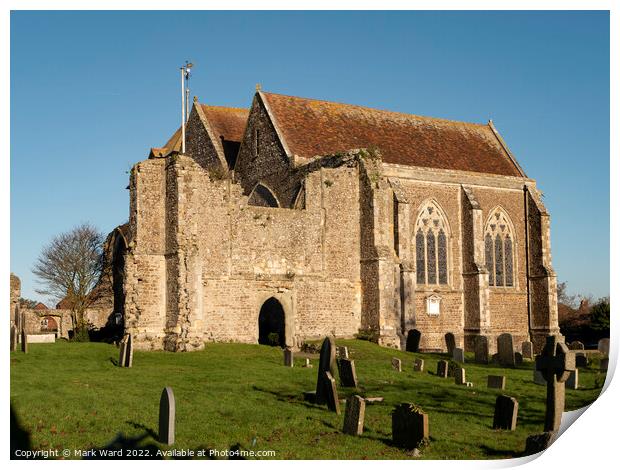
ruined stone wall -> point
(15, 294)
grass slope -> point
(70, 395)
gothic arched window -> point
(262, 196)
(498, 249)
(431, 246)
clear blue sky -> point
(92, 91)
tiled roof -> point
(312, 127)
(227, 123)
(40, 306)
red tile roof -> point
(40, 306)
(226, 122)
(312, 127)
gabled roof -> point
(312, 127)
(226, 123)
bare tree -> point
(68, 269)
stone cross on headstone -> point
(555, 363)
(354, 416)
(167, 412)
(327, 362)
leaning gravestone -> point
(505, 350)
(538, 442)
(576, 345)
(332, 393)
(409, 426)
(396, 364)
(13, 338)
(289, 360)
(450, 343)
(346, 371)
(603, 346)
(573, 380)
(413, 341)
(506, 410)
(481, 349)
(24, 340)
(527, 349)
(167, 412)
(496, 381)
(326, 364)
(442, 369)
(556, 363)
(354, 416)
(418, 365)
(458, 355)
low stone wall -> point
(42, 338)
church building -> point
(300, 218)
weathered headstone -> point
(289, 360)
(538, 378)
(332, 393)
(576, 345)
(458, 355)
(122, 353)
(129, 355)
(496, 381)
(346, 371)
(413, 341)
(13, 338)
(396, 364)
(450, 343)
(409, 426)
(481, 349)
(604, 364)
(538, 442)
(354, 416)
(556, 363)
(506, 410)
(24, 341)
(573, 380)
(342, 352)
(167, 416)
(459, 376)
(527, 349)
(581, 360)
(418, 365)
(327, 362)
(505, 350)
(603, 346)
(518, 358)
(442, 369)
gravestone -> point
(167, 416)
(556, 363)
(603, 346)
(418, 365)
(458, 355)
(332, 393)
(13, 338)
(129, 356)
(459, 376)
(442, 369)
(122, 354)
(354, 416)
(346, 371)
(413, 341)
(496, 381)
(326, 364)
(604, 364)
(518, 358)
(527, 349)
(289, 360)
(481, 349)
(409, 426)
(576, 345)
(24, 340)
(538, 378)
(506, 410)
(396, 364)
(307, 363)
(538, 442)
(573, 380)
(450, 343)
(505, 350)
(342, 352)
(581, 360)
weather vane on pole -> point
(185, 73)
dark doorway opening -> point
(271, 323)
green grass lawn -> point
(70, 395)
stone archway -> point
(272, 323)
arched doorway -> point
(271, 326)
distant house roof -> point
(40, 306)
(312, 127)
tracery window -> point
(498, 249)
(262, 196)
(431, 246)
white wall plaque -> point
(433, 303)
